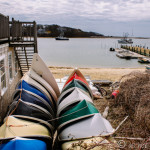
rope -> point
(48, 120)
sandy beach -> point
(113, 74)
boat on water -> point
(143, 60)
(147, 67)
(61, 38)
(124, 55)
(112, 49)
(125, 40)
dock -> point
(124, 53)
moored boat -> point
(147, 67)
(125, 40)
(61, 38)
(143, 60)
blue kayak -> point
(24, 144)
(24, 85)
(32, 98)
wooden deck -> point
(22, 36)
(133, 55)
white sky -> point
(109, 17)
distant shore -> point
(113, 74)
(102, 37)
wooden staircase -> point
(23, 37)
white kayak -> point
(42, 70)
(68, 92)
(94, 125)
(39, 79)
(76, 96)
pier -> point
(137, 49)
(124, 53)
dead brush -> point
(134, 98)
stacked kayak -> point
(32, 112)
(78, 118)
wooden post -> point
(35, 38)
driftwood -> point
(105, 113)
(129, 138)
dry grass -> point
(134, 99)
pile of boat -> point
(36, 105)
(95, 92)
(30, 123)
(78, 118)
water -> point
(86, 52)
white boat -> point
(125, 55)
(125, 40)
(42, 70)
(94, 125)
(61, 38)
(68, 92)
(76, 96)
(40, 80)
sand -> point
(113, 74)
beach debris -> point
(134, 100)
(114, 94)
(105, 113)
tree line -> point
(56, 30)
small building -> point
(12, 39)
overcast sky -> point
(109, 17)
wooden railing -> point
(4, 27)
(23, 32)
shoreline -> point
(101, 37)
(112, 74)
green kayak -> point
(81, 110)
(76, 83)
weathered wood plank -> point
(4, 26)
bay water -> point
(86, 53)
